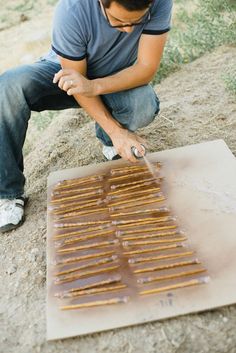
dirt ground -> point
(195, 107)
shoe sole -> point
(11, 226)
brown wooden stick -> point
(88, 246)
(103, 261)
(79, 232)
(82, 213)
(159, 248)
(96, 303)
(111, 280)
(192, 282)
(77, 196)
(66, 191)
(96, 291)
(146, 220)
(79, 224)
(167, 266)
(128, 169)
(134, 193)
(149, 242)
(151, 210)
(74, 277)
(134, 185)
(76, 259)
(172, 276)
(135, 204)
(150, 236)
(64, 208)
(149, 229)
(71, 182)
(133, 175)
(87, 237)
(138, 260)
(158, 197)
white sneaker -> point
(110, 153)
(12, 213)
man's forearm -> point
(98, 111)
(134, 76)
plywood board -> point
(201, 191)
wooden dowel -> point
(96, 303)
(111, 280)
(146, 220)
(87, 237)
(79, 224)
(149, 242)
(82, 213)
(149, 229)
(88, 265)
(128, 169)
(74, 277)
(158, 197)
(134, 193)
(77, 197)
(172, 276)
(134, 185)
(72, 182)
(76, 259)
(66, 191)
(151, 210)
(135, 204)
(96, 291)
(167, 266)
(88, 246)
(138, 260)
(192, 282)
(79, 232)
(133, 175)
(149, 236)
(153, 249)
(64, 208)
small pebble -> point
(12, 269)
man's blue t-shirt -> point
(80, 30)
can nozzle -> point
(136, 153)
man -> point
(104, 54)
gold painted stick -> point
(138, 260)
(149, 242)
(147, 219)
(64, 208)
(88, 246)
(192, 282)
(77, 196)
(158, 197)
(88, 265)
(96, 291)
(128, 169)
(149, 229)
(125, 176)
(65, 192)
(134, 193)
(167, 266)
(111, 280)
(148, 236)
(159, 248)
(74, 277)
(151, 210)
(96, 303)
(172, 276)
(134, 204)
(79, 224)
(134, 185)
(89, 236)
(79, 232)
(138, 224)
(72, 260)
(82, 213)
(71, 182)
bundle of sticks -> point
(115, 240)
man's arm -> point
(122, 139)
(141, 73)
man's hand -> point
(73, 82)
(123, 140)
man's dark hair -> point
(130, 5)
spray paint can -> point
(136, 152)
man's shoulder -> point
(74, 5)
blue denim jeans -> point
(30, 88)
